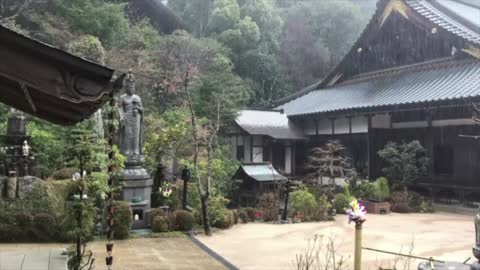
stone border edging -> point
(211, 252)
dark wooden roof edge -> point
(455, 16)
(18, 40)
(381, 5)
(431, 64)
(414, 106)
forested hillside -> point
(251, 52)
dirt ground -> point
(271, 246)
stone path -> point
(177, 253)
(39, 259)
(258, 246)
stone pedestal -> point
(136, 190)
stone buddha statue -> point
(131, 117)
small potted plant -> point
(297, 218)
(378, 203)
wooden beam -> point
(370, 155)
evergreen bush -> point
(182, 220)
(155, 212)
(122, 219)
(243, 216)
(267, 203)
(302, 201)
(251, 213)
(382, 189)
(160, 224)
(220, 216)
(23, 220)
(64, 174)
(44, 226)
(341, 202)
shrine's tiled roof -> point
(269, 123)
(455, 16)
(427, 82)
(262, 172)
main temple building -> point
(413, 74)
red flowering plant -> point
(258, 215)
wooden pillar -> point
(370, 148)
(430, 145)
(251, 148)
(294, 154)
(350, 142)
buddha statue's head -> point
(130, 83)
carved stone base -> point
(137, 190)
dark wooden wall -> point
(454, 160)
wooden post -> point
(111, 180)
(358, 246)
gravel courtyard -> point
(270, 246)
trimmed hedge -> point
(122, 219)
(65, 173)
(160, 224)
(155, 212)
(44, 226)
(182, 220)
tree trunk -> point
(205, 216)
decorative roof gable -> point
(406, 32)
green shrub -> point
(155, 212)
(243, 216)
(235, 216)
(24, 224)
(267, 203)
(45, 227)
(220, 216)
(341, 202)
(360, 188)
(251, 213)
(410, 202)
(64, 174)
(426, 206)
(23, 220)
(323, 209)
(382, 189)
(197, 217)
(160, 224)
(302, 201)
(224, 219)
(9, 233)
(182, 220)
(122, 219)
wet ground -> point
(271, 246)
(177, 253)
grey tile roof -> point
(420, 83)
(455, 16)
(269, 123)
(262, 172)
